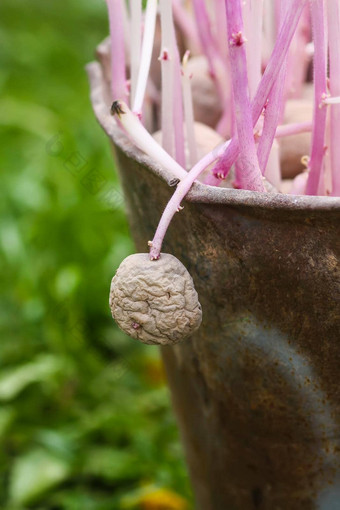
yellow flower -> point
(162, 499)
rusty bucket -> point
(257, 389)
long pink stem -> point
(271, 73)
(174, 203)
(135, 44)
(221, 28)
(273, 112)
(118, 73)
(331, 100)
(278, 56)
(178, 106)
(189, 113)
(270, 28)
(224, 126)
(298, 58)
(320, 89)
(167, 70)
(253, 20)
(204, 30)
(325, 184)
(185, 23)
(209, 47)
(172, 104)
(293, 129)
(250, 175)
(334, 85)
(146, 54)
(271, 119)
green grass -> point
(84, 411)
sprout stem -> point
(250, 175)
(278, 56)
(271, 119)
(189, 112)
(270, 27)
(144, 140)
(118, 73)
(298, 57)
(334, 86)
(221, 28)
(320, 89)
(215, 62)
(225, 124)
(185, 23)
(204, 30)
(271, 73)
(325, 184)
(272, 114)
(135, 44)
(174, 203)
(172, 105)
(178, 106)
(293, 129)
(167, 68)
(145, 60)
(253, 19)
(331, 100)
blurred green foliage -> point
(84, 411)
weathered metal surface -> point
(256, 389)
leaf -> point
(58, 442)
(67, 280)
(111, 464)
(19, 114)
(7, 416)
(34, 474)
(13, 381)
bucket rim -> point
(199, 192)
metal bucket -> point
(256, 390)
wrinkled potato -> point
(155, 301)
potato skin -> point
(155, 301)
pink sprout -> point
(258, 55)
